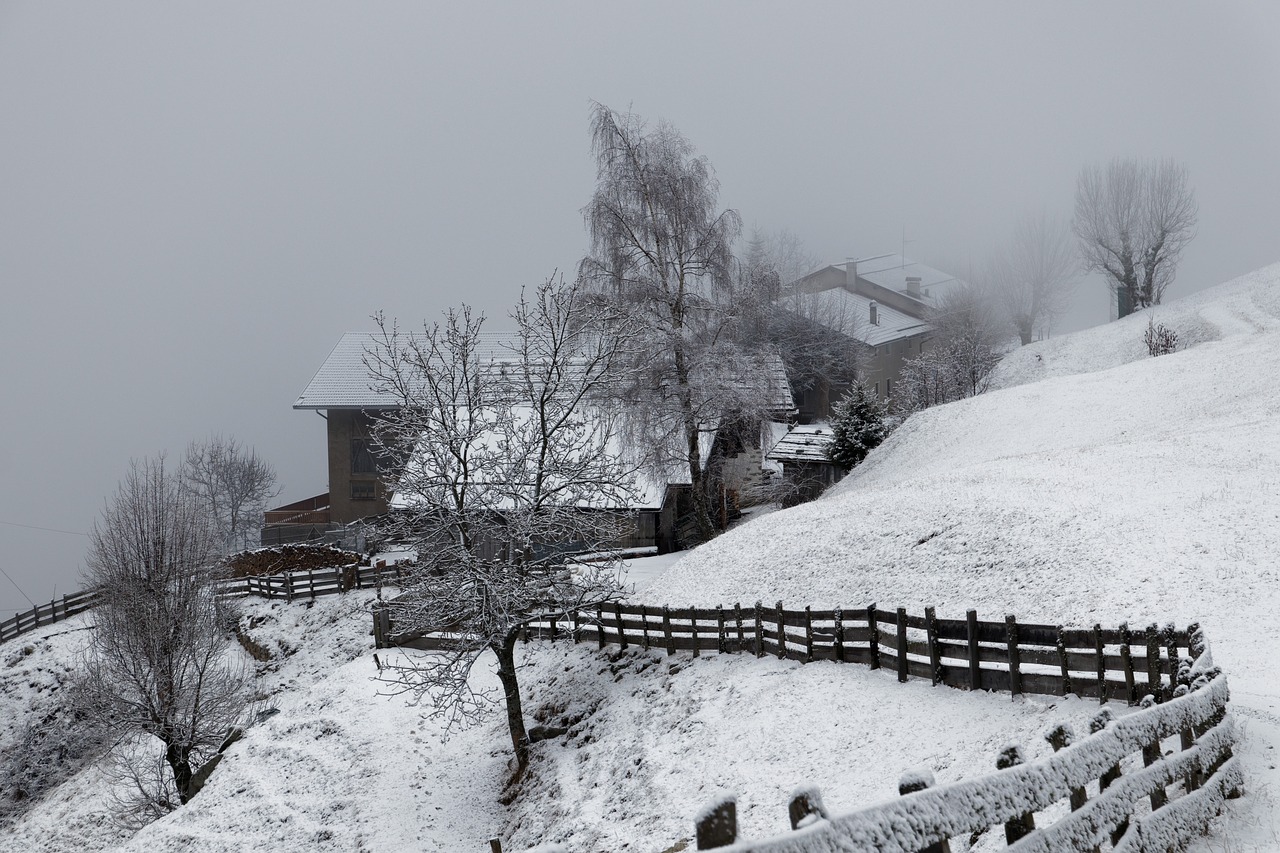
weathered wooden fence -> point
(46, 614)
(1149, 781)
(290, 586)
(1006, 656)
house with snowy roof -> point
(341, 392)
(881, 305)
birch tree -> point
(662, 249)
(507, 459)
(1132, 221)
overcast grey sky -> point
(196, 200)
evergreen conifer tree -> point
(858, 425)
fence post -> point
(644, 626)
(1102, 663)
(902, 644)
(1011, 756)
(1150, 755)
(759, 629)
(919, 780)
(721, 639)
(1153, 662)
(737, 617)
(805, 802)
(1015, 657)
(1061, 736)
(1171, 645)
(839, 619)
(577, 626)
(975, 668)
(782, 634)
(808, 634)
(622, 635)
(600, 624)
(1126, 660)
(495, 845)
(1100, 721)
(666, 630)
(717, 825)
(288, 587)
(935, 651)
(693, 629)
(1063, 664)
(874, 636)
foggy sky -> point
(197, 200)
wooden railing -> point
(1007, 656)
(46, 614)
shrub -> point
(1159, 338)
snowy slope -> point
(1098, 484)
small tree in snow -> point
(1159, 338)
(858, 425)
(958, 359)
(161, 673)
(506, 457)
(233, 485)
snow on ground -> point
(1117, 487)
(1097, 485)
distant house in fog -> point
(881, 305)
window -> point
(363, 490)
(362, 461)
(888, 387)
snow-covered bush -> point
(1159, 338)
(858, 425)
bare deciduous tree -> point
(661, 247)
(233, 485)
(507, 459)
(1034, 278)
(1132, 220)
(161, 670)
(958, 359)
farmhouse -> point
(341, 393)
(880, 305)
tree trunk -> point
(506, 654)
(179, 758)
(697, 477)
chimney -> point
(875, 314)
(851, 274)
(913, 286)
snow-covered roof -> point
(850, 314)
(802, 443)
(343, 381)
(892, 272)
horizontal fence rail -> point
(1149, 781)
(290, 586)
(1119, 663)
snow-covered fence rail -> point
(46, 614)
(972, 654)
(1149, 781)
(313, 582)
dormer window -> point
(875, 315)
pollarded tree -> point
(1132, 220)
(1034, 278)
(505, 458)
(661, 249)
(858, 425)
(162, 667)
(233, 484)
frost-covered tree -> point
(958, 359)
(505, 457)
(162, 672)
(234, 485)
(858, 425)
(1132, 221)
(661, 249)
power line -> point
(18, 588)
(46, 529)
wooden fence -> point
(46, 614)
(290, 586)
(1149, 781)
(1007, 656)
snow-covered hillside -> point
(1097, 484)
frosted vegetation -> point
(1097, 484)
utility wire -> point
(47, 529)
(15, 584)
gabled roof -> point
(343, 381)
(892, 271)
(850, 314)
(802, 443)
